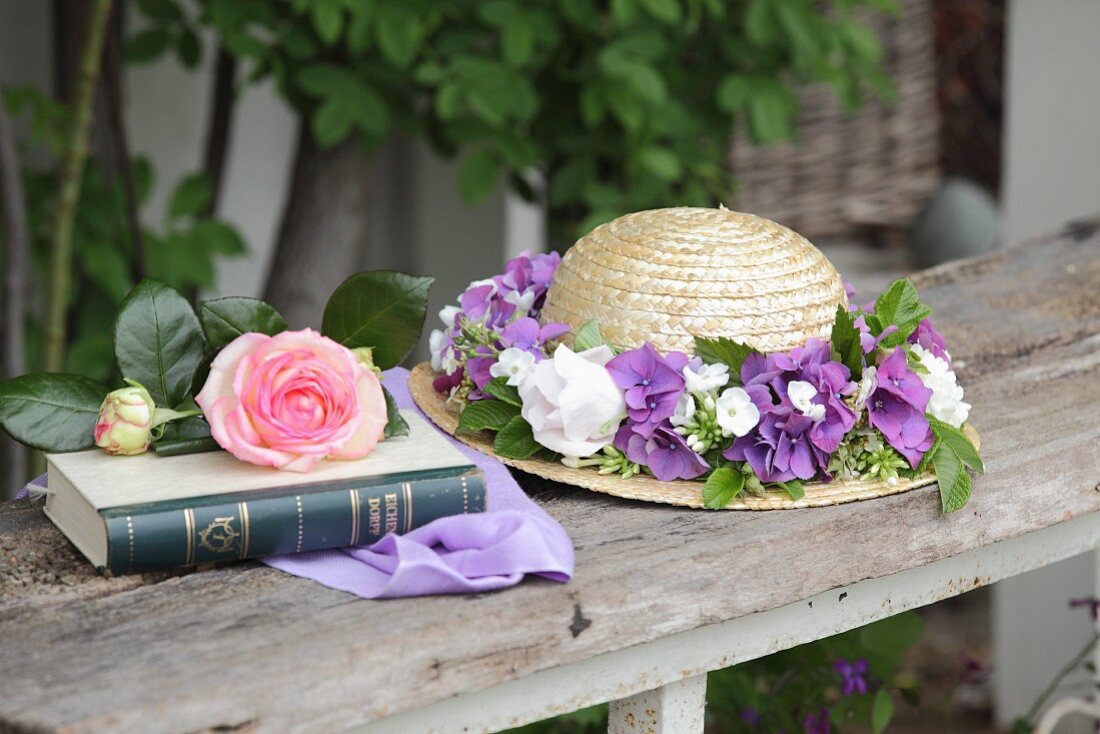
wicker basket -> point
(851, 172)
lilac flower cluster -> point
(493, 316)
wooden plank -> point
(248, 646)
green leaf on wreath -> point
(158, 341)
(958, 442)
(901, 306)
(499, 388)
(845, 341)
(724, 351)
(383, 309)
(516, 440)
(721, 487)
(484, 415)
(51, 412)
(952, 477)
(224, 319)
(793, 489)
(588, 336)
(395, 422)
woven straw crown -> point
(668, 275)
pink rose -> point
(292, 399)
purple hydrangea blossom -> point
(662, 450)
(653, 384)
(868, 341)
(897, 405)
(817, 723)
(527, 278)
(789, 443)
(478, 369)
(926, 335)
(852, 674)
(526, 334)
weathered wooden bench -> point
(661, 595)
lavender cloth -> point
(452, 555)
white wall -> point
(1052, 175)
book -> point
(148, 512)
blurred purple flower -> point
(652, 383)
(1091, 602)
(852, 676)
(896, 407)
(926, 335)
(974, 672)
(662, 450)
(817, 723)
(751, 717)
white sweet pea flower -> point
(571, 402)
(867, 385)
(447, 315)
(735, 411)
(522, 301)
(436, 346)
(946, 403)
(708, 377)
(513, 363)
(685, 410)
(802, 395)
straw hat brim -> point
(682, 493)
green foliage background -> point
(620, 105)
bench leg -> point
(676, 708)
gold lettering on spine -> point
(391, 512)
(465, 505)
(408, 506)
(189, 523)
(374, 523)
(301, 523)
(130, 531)
(354, 517)
(245, 528)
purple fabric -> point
(452, 555)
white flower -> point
(486, 281)
(708, 377)
(447, 315)
(436, 346)
(522, 301)
(867, 385)
(513, 363)
(802, 395)
(947, 395)
(571, 402)
(685, 410)
(736, 413)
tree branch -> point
(221, 118)
(112, 84)
(68, 190)
(14, 303)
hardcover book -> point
(146, 512)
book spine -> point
(296, 523)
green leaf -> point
(793, 488)
(661, 162)
(959, 443)
(147, 45)
(224, 319)
(517, 42)
(499, 388)
(721, 487)
(588, 336)
(383, 309)
(328, 19)
(760, 25)
(482, 415)
(733, 92)
(952, 477)
(189, 49)
(218, 236)
(158, 341)
(515, 440)
(191, 195)
(395, 422)
(771, 109)
(400, 32)
(881, 711)
(187, 436)
(893, 634)
(666, 11)
(901, 306)
(165, 11)
(331, 122)
(477, 176)
(845, 340)
(51, 412)
(724, 351)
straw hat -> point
(668, 275)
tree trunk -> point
(218, 128)
(14, 301)
(322, 237)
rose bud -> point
(125, 422)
